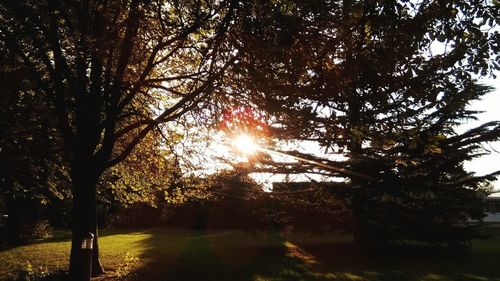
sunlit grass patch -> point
(295, 251)
(52, 255)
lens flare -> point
(245, 144)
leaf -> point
(433, 149)
(401, 162)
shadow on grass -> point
(342, 261)
(235, 256)
(220, 256)
(56, 236)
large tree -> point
(114, 71)
(384, 84)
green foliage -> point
(141, 178)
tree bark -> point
(84, 217)
(14, 221)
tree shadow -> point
(56, 236)
(207, 255)
(220, 256)
(343, 261)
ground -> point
(176, 254)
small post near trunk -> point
(87, 245)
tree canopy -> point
(384, 84)
(114, 71)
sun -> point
(245, 144)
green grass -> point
(176, 254)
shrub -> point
(32, 273)
(37, 230)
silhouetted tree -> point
(114, 71)
(385, 84)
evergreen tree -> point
(385, 84)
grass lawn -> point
(177, 254)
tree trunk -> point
(14, 221)
(84, 217)
(363, 239)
